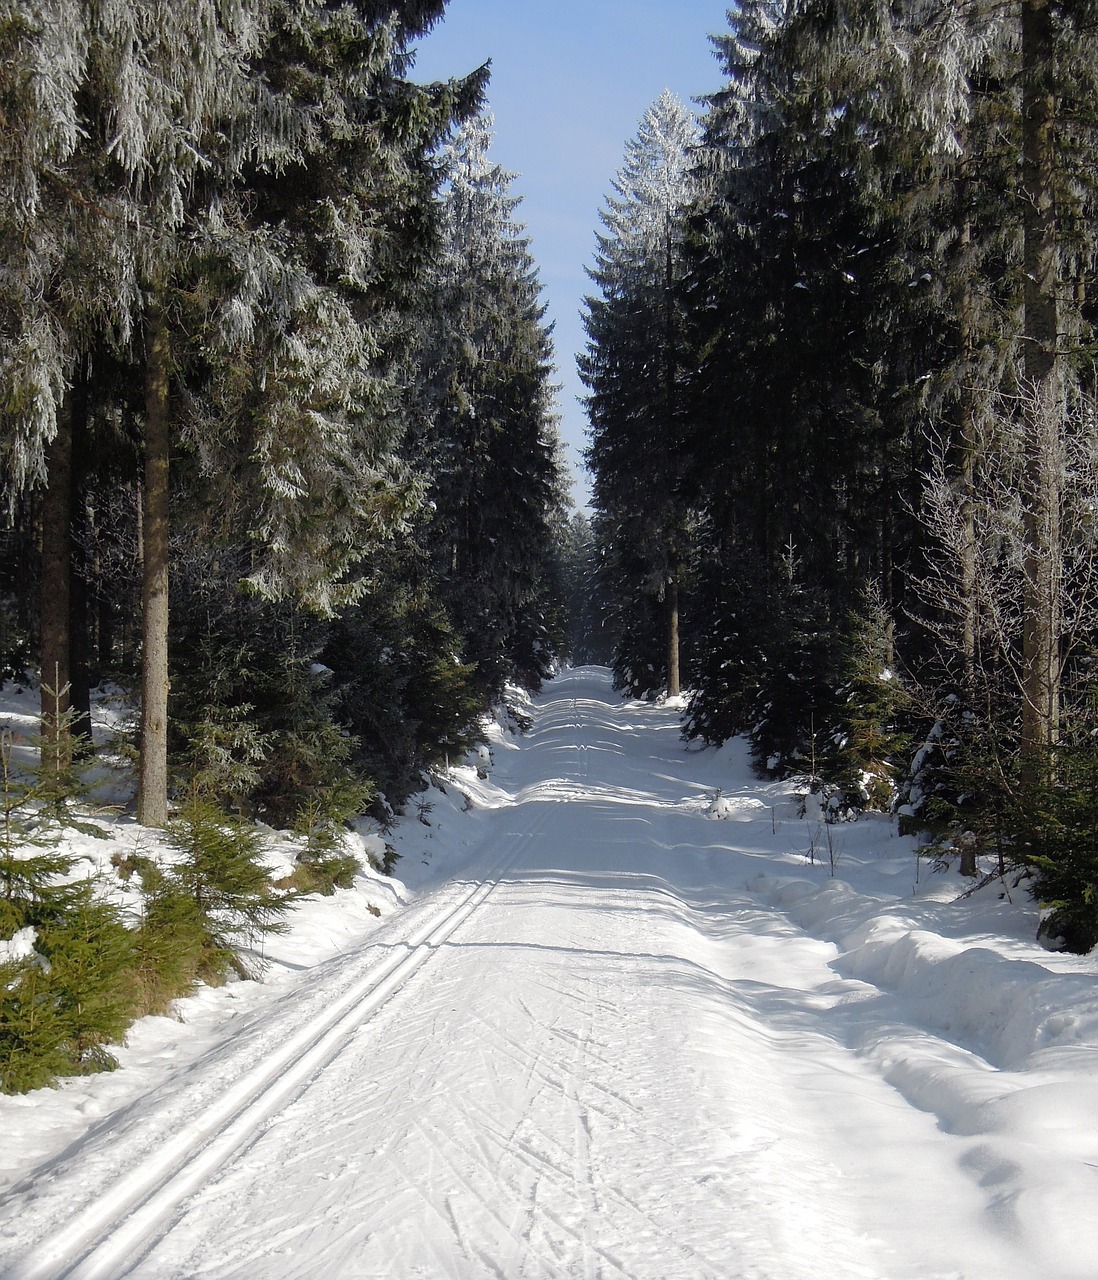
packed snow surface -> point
(624, 1014)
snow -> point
(594, 1033)
(20, 946)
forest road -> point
(590, 1054)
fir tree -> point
(215, 180)
(398, 683)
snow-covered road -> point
(598, 1051)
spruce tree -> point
(834, 335)
(870, 282)
(221, 876)
(236, 199)
(634, 369)
(487, 439)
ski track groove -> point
(537, 1163)
(112, 1233)
(574, 1169)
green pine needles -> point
(1057, 824)
(324, 864)
(221, 875)
(77, 969)
(66, 987)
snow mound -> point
(736, 808)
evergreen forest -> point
(280, 464)
(841, 384)
(281, 468)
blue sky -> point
(570, 82)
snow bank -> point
(1002, 1008)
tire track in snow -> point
(112, 1233)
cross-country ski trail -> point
(601, 1050)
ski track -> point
(573, 1061)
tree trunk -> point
(127, 619)
(56, 585)
(967, 445)
(673, 685)
(152, 794)
(79, 630)
(968, 547)
(100, 616)
(670, 426)
(79, 677)
(1043, 410)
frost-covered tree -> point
(487, 441)
(313, 257)
(634, 368)
(317, 295)
(234, 197)
(891, 306)
(143, 116)
(1002, 92)
(1059, 79)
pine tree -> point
(68, 991)
(1059, 79)
(132, 135)
(398, 682)
(880, 145)
(869, 740)
(90, 954)
(845, 312)
(793, 457)
(584, 605)
(1057, 830)
(310, 277)
(221, 874)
